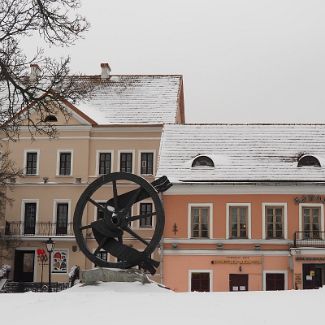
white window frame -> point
(285, 272)
(55, 204)
(189, 219)
(98, 152)
(190, 272)
(153, 162)
(311, 205)
(22, 213)
(249, 219)
(37, 163)
(119, 159)
(283, 205)
(58, 162)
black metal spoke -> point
(115, 195)
(135, 235)
(85, 227)
(99, 206)
(140, 216)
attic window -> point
(308, 160)
(203, 161)
(50, 118)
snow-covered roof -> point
(242, 152)
(134, 99)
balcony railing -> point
(15, 287)
(18, 228)
(312, 238)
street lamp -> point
(50, 247)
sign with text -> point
(238, 260)
(310, 198)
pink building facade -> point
(246, 211)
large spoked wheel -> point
(113, 231)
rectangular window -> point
(31, 163)
(146, 210)
(274, 281)
(238, 219)
(104, 163)
(126, 162)
(147, 163)
(65, 163)
(100, 212)
(102, 255)
(62, 218)
(30, 218)
(274, 222)
(200, 222)
(200, 281)
(311, 222)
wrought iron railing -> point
(19, 228)
(314, 238)
(15, 287)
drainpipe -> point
(161, 245)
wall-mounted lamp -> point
(174, 245)
(45, 179)
(257, 247)
(240, 268)
(219, 245)
(175, 228)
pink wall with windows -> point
(257, 256)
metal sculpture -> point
(110, 231)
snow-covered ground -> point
(134, 303)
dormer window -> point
(50, 118)
(202, 161)
(308, 160)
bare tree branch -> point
(58, 24)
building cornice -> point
(247, 188)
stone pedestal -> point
(112, 275)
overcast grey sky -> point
(242, 60)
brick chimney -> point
(35, 71)
(106, 70)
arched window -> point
(308, 160)
(203, 161)
(50, 118)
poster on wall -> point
(60, 261)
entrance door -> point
(274, 281)
(24, 266)
(312, 276)
(238, 282)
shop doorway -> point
(238, 282)
(313, 275)
(24, 266)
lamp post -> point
(50, 247)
